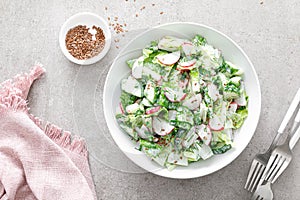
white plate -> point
(88, 19)
(230, 50)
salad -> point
(182, 102)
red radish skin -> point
(171, 98)
(153, 110)
(187, 42)
(162, 127)
(121, 107)
(188, 63)
(233, 106)
(169, 59)
(221, 129)
(187, 47)
(186, 66)
(215, 124)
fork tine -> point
(257, 197)
(282, 168)
(257, 177)
(269, 165)
(250, 174)
(278, 167)
(273, 167)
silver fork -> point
(281, 155)
(263, 192)
(260, 160)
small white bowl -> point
(87, 19)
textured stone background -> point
(70, 95)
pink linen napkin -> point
(38, 161)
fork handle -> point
(295, 130)
(290, 112)
(294, 139)
(285, 122)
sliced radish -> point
(174, 96)
(137, 68)
(142, 132)
(241, 101)
(232, 107)
(188, 48)
(170, 43)
(152, 110)
(169, 59)
(161, 126)
(204, 133)
(216, 124)
(213, 91)
(193, 102)
(153, 74)
(119, 109)
(188, 64)
(132, 86)
(132, 108)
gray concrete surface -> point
(71, 96)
